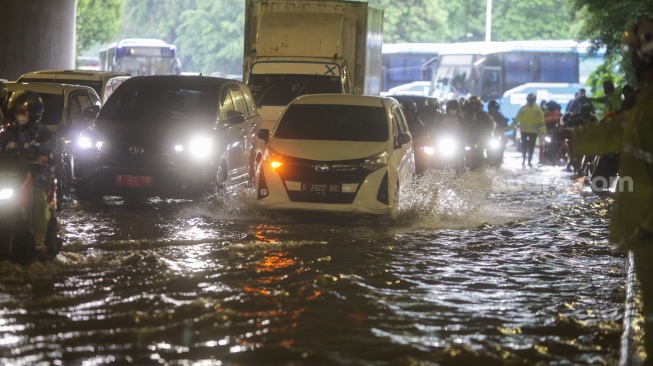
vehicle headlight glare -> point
(428, 150)
(376, 162)
(6, 194)
(86, 142)
(547, 139)
(447, 146)
(494, 144)
(179, 148)
(200, 147)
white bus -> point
(141, 57)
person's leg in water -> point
(40, 220)
(644, 270)
(524, 147)
(532, 137)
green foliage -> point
(603, 22)
(97, 21)
(413, 21)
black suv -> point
(169, 136)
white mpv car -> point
(337, 153)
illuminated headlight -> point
(447, 146)
(6, 194)
(376, 162)
(429, 150)
(547, 139)
(86, 142)
(494, 144)
(200, 147)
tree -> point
(97, 21)
(603, 22)
(413, 21)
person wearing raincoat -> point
(631, 226)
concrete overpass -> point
(36, 35)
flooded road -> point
(499, 266)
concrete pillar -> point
(36, 35)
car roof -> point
(41, 87)
(72, 74)
(179, 80)
(343, 99)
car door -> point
(252, 124)
(230, 135)
(403, 154)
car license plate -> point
(134, 181)
(321, 188)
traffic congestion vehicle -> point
(335, 153)
(103, 82)
(170, 136)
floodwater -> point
(504, 266)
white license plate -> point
(321, 188)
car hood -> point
(137, 131)
(326, 150)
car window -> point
(76, 104)
(149, 103)
(52, 109)
(111, 86)
(333, 122)
(249, 101)
(238, 100)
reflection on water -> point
(475, 272)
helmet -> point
(493, 104)
(432, 103)
(551, 106)
(638, 42)
(566, 118)
(530, 98)
(475, 103)
(31, 100)
(453, 105)
(409, 105)
(586, 108)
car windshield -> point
(154, 103)
(334, 123)
(280, 89)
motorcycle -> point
(554, 149)
(445, 150)
(604, 171)
(481, 149)
(16, 190)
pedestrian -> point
(631, 226)
(531, 124)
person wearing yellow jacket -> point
(631, 134)
(531, 124)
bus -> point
(141, 57)
(508, 71)
(404, 63)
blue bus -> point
(404, 63)
(508, 71)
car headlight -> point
(376, 161)
(547, 139)
(494, 144)
(200, 147)
(447, 146)
(86, 142)
(6, 194)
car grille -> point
(134, 155)
(329, 172)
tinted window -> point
(53, 109)
(153, 103)
(280, 89)
(333, 122)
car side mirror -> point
(91, 112)
(235, 117)
(263, 134)
(402, 139)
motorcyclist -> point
(501, 120)
(476, 122)
(430, 113)
(631, 226)
(418, 132)
(531, 123)
(553, 149)
(26, 135)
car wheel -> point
(220, 181)
(64, 183)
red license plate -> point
(134, 181)
(321, 188)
